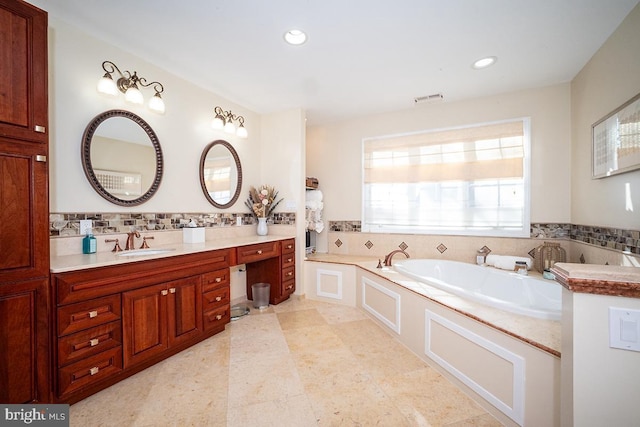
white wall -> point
(609, 79)
(184, 130)
(334, 151)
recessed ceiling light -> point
(484, 62)
(295, 37)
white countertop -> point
(64, 263)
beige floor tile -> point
(425, 395)
(330, 369)
(336, 313)
(484, 420)
(296, 411)
(312, 339)
(300, 319)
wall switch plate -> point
(238, 220)
(624, 328)
(85, 224)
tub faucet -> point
(387, 258)
(130, 242)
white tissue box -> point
(193, 235)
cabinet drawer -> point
(213, 299)
(288, 287)
(288, 260)
(288, 246)
(83, 315)
(215, 279)
(216, 319)
(257, 252)
(89, 370)
(87, 343)
(288, 273)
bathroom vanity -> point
(114, 315)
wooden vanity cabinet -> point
(272, 263)
(114, 321)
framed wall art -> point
(616, 141)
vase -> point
(262, 227)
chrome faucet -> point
(130, 242)
(387, 258)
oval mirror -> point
(122, 158)
(220, 174)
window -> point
(469, 181)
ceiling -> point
(362, 56)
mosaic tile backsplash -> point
(68, 224)
(610, 238)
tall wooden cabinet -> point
(24, 231)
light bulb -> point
(230, 127)
(156, 104)
(134, 96)
(242, 131)
(217, 122)
(107, 86)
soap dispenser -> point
(89, 243)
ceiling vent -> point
(429, 99)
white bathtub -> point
(497, 288)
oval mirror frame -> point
(88, 167)
(203, 184)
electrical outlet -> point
(85, 225)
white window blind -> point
(472, 181)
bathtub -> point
(501, 289)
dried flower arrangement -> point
(262, 201)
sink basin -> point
(144, 252)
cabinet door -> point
(23, 343)
(23, 80)
(24, 222)
(144, 315)
(185, 309)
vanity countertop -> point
(613, 280)
(64, 263)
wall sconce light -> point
(224, 120)
(128, 83)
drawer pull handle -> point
(164, 292)
(40, 129)
(93, 313)
(218, 279)
(218, 298)
(219, 316)
(289, 287)
(94, 342)
(289, 246)
(290, 273)
(259, 252)
(94, 370)
(172, 290)
(289, 259)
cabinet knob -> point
(172, 290)
(259, 252)
(290, 273)
(94, 342)
(289, 259)
(289, 246)
(94, 370)
(289, 287)
(218, 298)
(93, 313)
(219, 316)
(164, 292)
(218, 279)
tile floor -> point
(300, 363)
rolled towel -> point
(506, 262)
